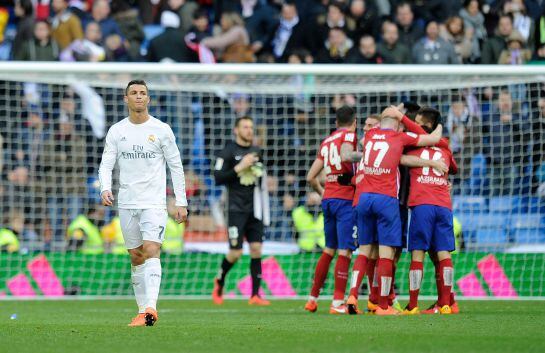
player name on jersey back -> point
(428, 186)
(330, 154)
(382, 153)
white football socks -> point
(139, 286)
(152, 275)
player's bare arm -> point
(312, 176)
(348, 154)
(431, 139)
(416, 162)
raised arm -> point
(411, 126)
(431, 139)
(107, 164)
(312, 176)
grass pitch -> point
(199, 326)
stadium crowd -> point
(268, 31)
(50, 148)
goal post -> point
(54, 116)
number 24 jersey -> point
(330, 154)
(382, 150)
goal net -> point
(54, 118)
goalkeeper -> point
(238, 167)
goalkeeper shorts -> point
(243, 225)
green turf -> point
(199, 326)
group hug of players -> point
(365, 209)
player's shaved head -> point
(388, 121)
(345, 116)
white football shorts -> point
(138, 225)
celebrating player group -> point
(365, 209)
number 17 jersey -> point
(382, 151)
(330, 154)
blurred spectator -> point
(11, 235)
(432, 10)
(522, 23)
(83, 233)
(434, 50)
(260, 20)
(41, 47)
(87, 49)
(539, 55)
(494, 45)
(505, 151)
(474, 19)
(63, 165)
(1, 160)
(390, 48)
(169, 45)
(538, 148)
(458, 122)
(66, 26)
(116, 49)
(232, 44)
(185, 10)
(281, 207)
(101, 15)
(112, 38)
(308, 221)
(291, 33)
(539, 33)
(410, 30)
(465, 43)
(365, 53)
(334, 18)
(335, 48)
(130, 26)
(201, 26)
(112, 236)
(28, 141)
(516, 52)
(366, 18)
(25, 26)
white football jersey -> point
(142, 152)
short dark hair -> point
(245, 117)
(430, 115)
(403, 4)
(345, 115)
(135, 82)
(412, 109)
(199, 13)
